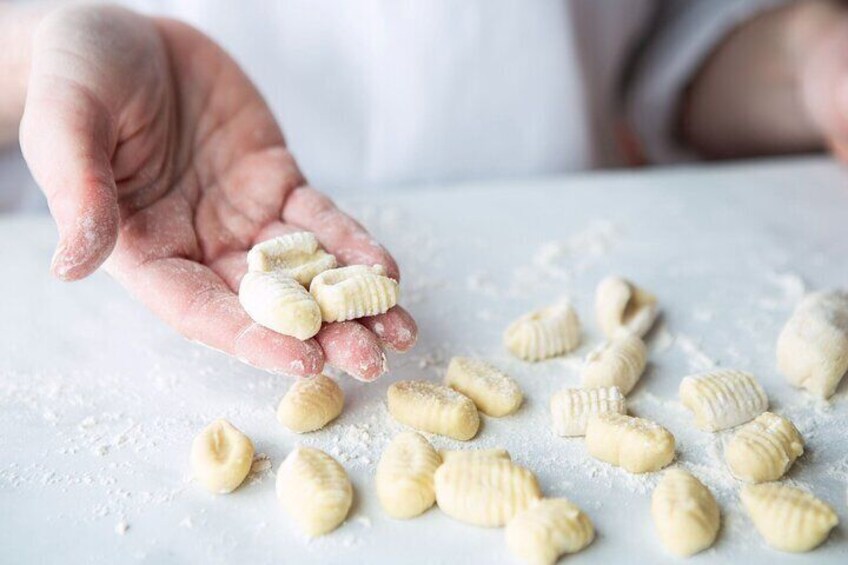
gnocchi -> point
(314, 490)
(723, 399)
(619, 363)
(571, 408)
(634, 444)
(544, 333)
(763, 449)
(310, 404)
(433, 408)
(685, 513)
(295, 255)
(357, 291)
(494, 392)
(484, 491)
(547, 530)
(493, 453)
(221, 457)
(280, 303)
(621, 306)
(405, 476)
(812, 350)
(788, 518)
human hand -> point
(159, 157)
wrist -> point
(17, 27)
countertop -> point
(99, 401)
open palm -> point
(156, 152)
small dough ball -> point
(310, 404)
(221, 457)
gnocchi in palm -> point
(433, 408)
(493, 391)
(280, 303)
(544, 333)
(310, 404)
(548, 529)
(618, 363)
(221, 457)
(315, 490)
(405, 476)
(723, 399)
(764, 449)
(788, 518)
(571, 408)
(484, 491)
(294, 255)
(622, 307)
(357, 291)
(685, 513)
(634, 444)
(812, 350)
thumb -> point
(66, 139)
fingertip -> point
(353, 349)
(277, 353)
(396, 329)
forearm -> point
(17, 26)
(747, 99)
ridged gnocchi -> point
(788, 518)
(634, 444)
(617, 363)
(685, 513)
(314, 490)
(623, 307)
(405, 476)
(763, 449)
(280, 303)
(348, 293)
(493, 391)
(548, 529)
(812, 350)
(484, 491)
(221, 457)
(310, 404)
(723, 399)
(433, 408)
(295, 255)
(544, 333)
(571, 408)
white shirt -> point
(403, 92)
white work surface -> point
(99, 401)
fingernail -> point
(58, 265)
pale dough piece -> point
(622, 307)
(544, 333)
(685, 513)
(812, 350)
(405, 476)
(221, 457)
(571, 408)
(315, 490)
(295, 255)
(280, 303)
(788, 518)
(484, 491)
(723, 399)
(492, 390)
(310, 404)
(492, 453)
(763, 449)
(357, 291)
(433, 408)
(548, 529)
(634, 444)
(617, 363)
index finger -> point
(340, 234)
